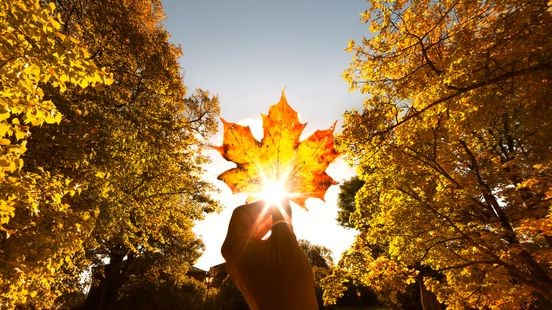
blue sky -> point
(247, 51)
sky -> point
(247, 52)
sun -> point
(273, 193)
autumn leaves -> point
(279, 158)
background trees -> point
(101, 155)
(320, 259)
(453, 146)
(120, 177)
(34, 56)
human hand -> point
(272, 273)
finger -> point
(245, 219)
(247, 222)
(263, 223)
(282, 229)
(281, 212)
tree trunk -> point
(427, 298)
(104, 295)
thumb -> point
(281, 213)
(281, 222)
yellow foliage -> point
(141, 133)
(453, 145)
(31, 55)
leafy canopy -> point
(453, 147)
(34, 55)
(119, 180)
(279, 158)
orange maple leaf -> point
(279, 158)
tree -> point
(228, 297)
(34, 56)
(318, 256)
(453, 145)
(344, 285)
(320, 259)
(130, 156)
(151, 283)
(346, 201)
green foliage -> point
(346, 201)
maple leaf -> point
(279, 158)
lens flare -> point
(274, 193)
